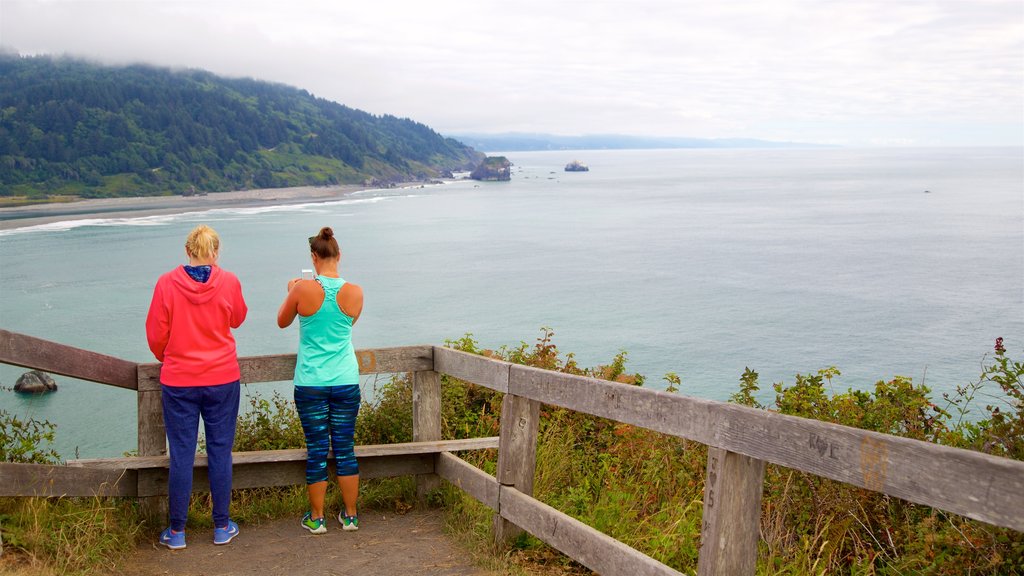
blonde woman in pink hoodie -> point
(188, 327)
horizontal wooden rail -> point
(965, 482)
(120, 476)
(38, 354)
(48, 480)
(592, 548)
(472, 480)
(281, 367)
(294, 455)
(490, 373)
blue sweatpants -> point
(328, 416)
(183, 405)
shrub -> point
(269, 425)
(26, 440)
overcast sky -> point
(852, 72)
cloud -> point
(789, 69)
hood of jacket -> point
(198, 292)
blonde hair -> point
(203, 243)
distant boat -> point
(576, 166)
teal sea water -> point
(699, 262)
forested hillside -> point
(73, 127)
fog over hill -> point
(73, 127)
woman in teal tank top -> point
(326, 377)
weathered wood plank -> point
(152, 442)
(46, 480)
(394, 360)
(517, 445)
(149, 377)
(390, 466)
(295, 455)
(517, 455)
(38, 354)
(976, 485)
(486, 372)
(281, 367)
(291, 473)
(426, 422)
(272, 368)
(732, 514)
(595, 550)
(469, 478)
(426, 406)
(152, 436)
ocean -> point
(881, 262)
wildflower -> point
(999, 345)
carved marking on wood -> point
(712, 479)
(824, 447)
(874, 460)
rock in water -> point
(35, 382)
(494, 168)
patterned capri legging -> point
(328, 416)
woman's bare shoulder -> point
(309, 289)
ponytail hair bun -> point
(324, 245)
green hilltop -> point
(70, 127)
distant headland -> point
(72, 128)
(525, 142)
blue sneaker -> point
(173, 540)
(225, 534)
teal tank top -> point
(326, 356)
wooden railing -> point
(741, 442)
(145, 476)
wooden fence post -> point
(152, 442)
(517, 456)
(732, 514)
(426, 422)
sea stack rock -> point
(576, 166)
(493, 168)
(35, 382)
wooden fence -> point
(741, 442)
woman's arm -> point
(290, 307)
(238, 308)
(158, 325)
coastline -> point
(142, 206)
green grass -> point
(15, 201)
(293, 168)
(69, 535)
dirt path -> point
(413, 543)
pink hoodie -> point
(188, 327)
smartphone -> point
(307, 274)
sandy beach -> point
(36, 214)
